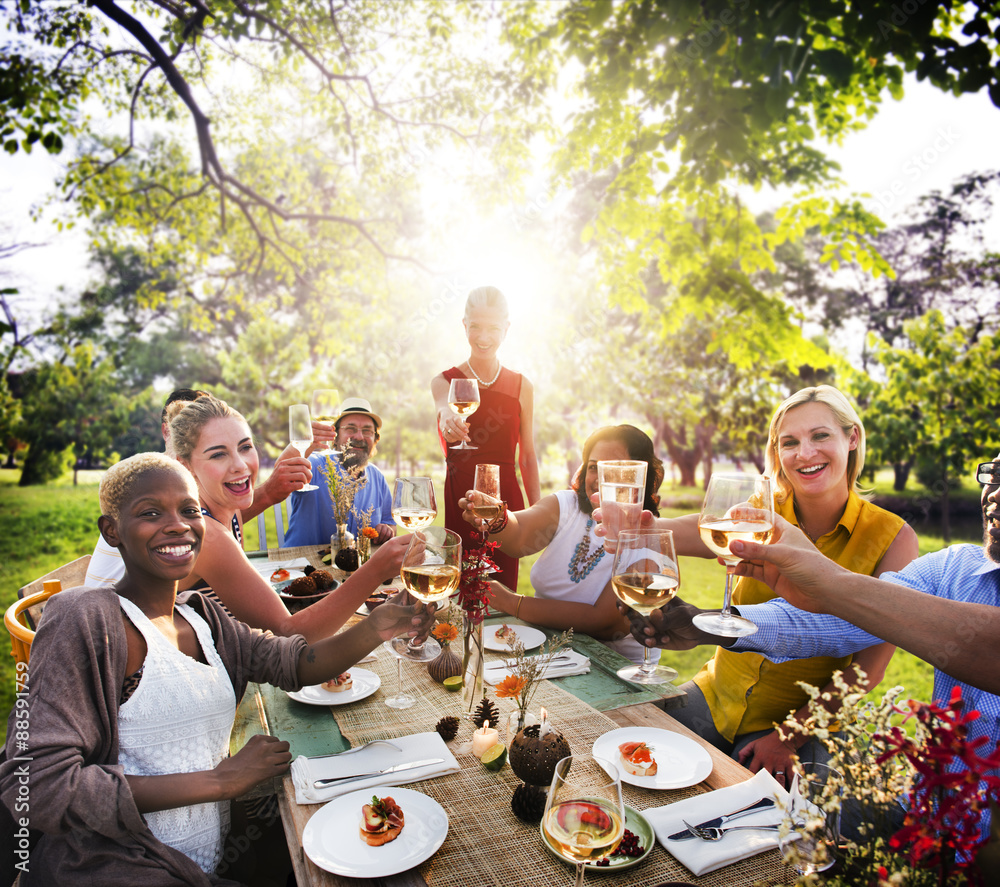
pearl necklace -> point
(583, 561)
(483, 382)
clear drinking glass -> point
(413, 504)
(622, 485)
(584, 816)
(300, 433)
(463, 398)
(325, 405)
(646, 576)
(432, 568)
(736, 506)
(812, 812)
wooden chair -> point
(22, 616)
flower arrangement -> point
(474, 598)
(366, 532)
(343, 484)
(945, 780)
(521, 684)
(444, 633)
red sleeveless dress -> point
(495, 429)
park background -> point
(694, 209)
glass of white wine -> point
(463, 398)
(736, 506)
(413, 504)
(646, 576)
(300, 433)
(487, 504)
(325, 404)
(584, 816)
(432, 568)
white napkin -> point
(417, 747)
(576, 663)
(707, 856)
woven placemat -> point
(493, 848)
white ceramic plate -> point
(530, 637)
(365, 683)
(680, 761)
(332, 839)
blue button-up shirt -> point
(959, 573)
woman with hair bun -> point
(501, 429)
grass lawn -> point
(43, 527)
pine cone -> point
(528, 802)
(448, 728)
(486, 711)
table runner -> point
(492, 848)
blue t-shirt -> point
(310, 514)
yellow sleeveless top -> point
(746, 692)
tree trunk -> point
(901, 474)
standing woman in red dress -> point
(501, 428)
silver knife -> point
(510, 663)
(686, 835)
(412, 765)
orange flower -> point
(510, 687)
(370, 532)
(445, 632)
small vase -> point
(517, 721)
(446, 665)
(473, 664)
(364, 548)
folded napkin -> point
(707, 856)
(575, 663)
(417, 747)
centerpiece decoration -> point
(446, 664)
(474, 598)
(521, 684)
(947, 780)
(366, 533)
(535, 752)
(342, 484)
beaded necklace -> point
(583, 561)
(483, 382)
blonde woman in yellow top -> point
(815, 453)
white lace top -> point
(179, 720)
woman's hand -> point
(389, 557)
(771, 754)
(402, 614)
(670, 627)
(262, 758)
(469, 501)
(452, 426)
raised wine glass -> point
(737, 506)
(300, 433)
(622, 486)
(646, 576)
(325, 402)
(584, 816)
(463, 398)
(432, 568)
(413, 504)
(399, 699)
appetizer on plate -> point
(280, 575)
(637, 758)
(504, 632)
(338, 684)
(381, 821)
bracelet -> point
(499, 523)
(517, 609)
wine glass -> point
(737, 506)
(645, 576)
(812, 812)
(399, 699)
(622, 485)
(432, 568)
(325, 402)
(300, 433)
(463, 398)
(584, 816)
(413, 504)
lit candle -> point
(546, 727)
(485, 737)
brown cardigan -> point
(77, 794)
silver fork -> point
(351, 751)
(713, 833)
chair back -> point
(279, 526)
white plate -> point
(680, 761)
(530, 637)
(365, 683)
(332, 838)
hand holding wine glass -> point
(584, 816)
(622, 488)
(645, 576)
(325, 405)
(736, 506)
(413, 504)
(300, 433)
(432, 568)
(485, 502)
(463, 398)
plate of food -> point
(495, 637)
(652, 758)
(632, 850)
(358, 683)
(351, 836)
(283, 575)
(305, 589)
(375, 599)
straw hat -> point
(358, 405)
